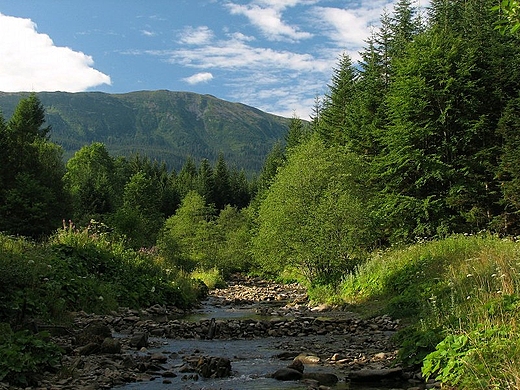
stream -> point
(253, 360)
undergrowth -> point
(87, 269)
(460, 300)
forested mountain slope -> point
(163, 125)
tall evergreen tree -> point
(274, 160)
(32, 197)
(206, 181)
(187, 178)
(335, 114)
(298, 132)
(222, 185)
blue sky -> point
(275, 55)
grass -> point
(461, 301)
(212, 278)
(76, 269)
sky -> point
(274, 55)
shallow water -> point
(252, 361)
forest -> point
(401, 195)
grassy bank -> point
(88, 269)
(460, 300)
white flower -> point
(153, 289)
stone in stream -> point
(139, 340)
(322, 378)
(214, 367)
(287, 374)
(212, 329)
(369, 375)
(297, 365)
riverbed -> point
(254, 357)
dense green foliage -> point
(314, 215)
(76, 269)
(379, 202)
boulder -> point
(368, 375)
(287, 374)
(322, 378)
(139, 340)
(214, 367)
(89, 349)
(111, 346)
(297, 365)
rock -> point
(322, 377)
(89, 349)
(139, 340)
(297, 365)
(368, 375)
(94, 332)
(212, 329)
(287, 374)
(158, 357)
(111, 346)
(308, 359)
(186, 368)
(214, 367)
(286, 355)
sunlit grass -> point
(212, 278)
(463, 289)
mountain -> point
(163, 125)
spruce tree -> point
(335, 118)
(221, 181)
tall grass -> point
(83, 269)
(460, 299)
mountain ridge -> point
(168, 126)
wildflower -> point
(468, 297)
(30, 262)
(101, 298)
(469, 275)
(153, 289)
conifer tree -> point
(222, 186)
(335, 118)
(33, 201)
(297, 133)
(206, 181)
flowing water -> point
(252, 361)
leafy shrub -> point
(475, 359)
(23, 356)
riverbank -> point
(106, 351)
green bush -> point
(24, 356)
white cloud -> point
(197, 78)
(235, 54)
(349, 28)
(29, 61)
(269, 21)
(148, 33)
(196, 36)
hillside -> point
(164, 125)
